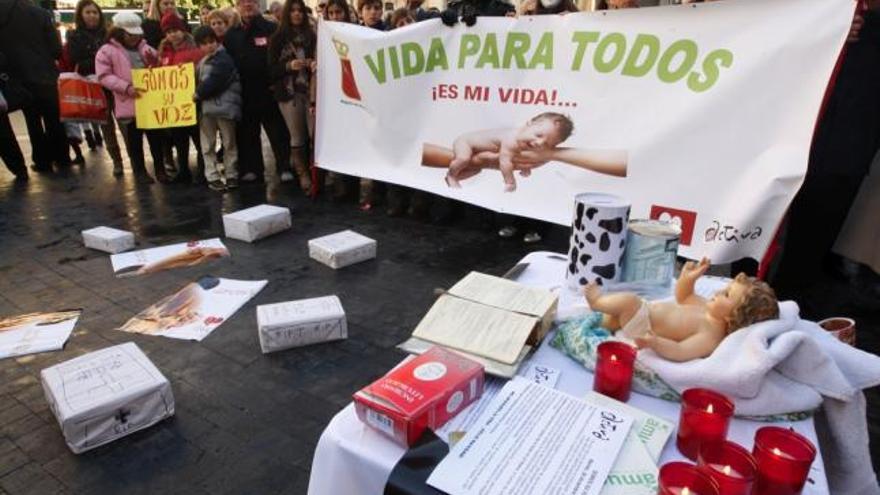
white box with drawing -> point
(299, 323)
(255, 223)
(342, 249)
(108, 239)
(105, 395)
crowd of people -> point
(256, 72)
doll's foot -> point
(452, 182)
(592, 292)
(509, 187)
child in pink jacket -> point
(179, 48)
(126, 50)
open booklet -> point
(489, 319)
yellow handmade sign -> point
(167, 99)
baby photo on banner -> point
(520, 115)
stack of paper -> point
(635, 470)
(491, 320)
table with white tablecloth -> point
(353, 459)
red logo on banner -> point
(349, 86)
(686, 219)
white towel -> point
(791, 365)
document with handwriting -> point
(534, 439)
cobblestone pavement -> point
(245, 422)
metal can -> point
(651, 247)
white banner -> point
(699, 113)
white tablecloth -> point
(353, 459)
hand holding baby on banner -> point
(522, 149)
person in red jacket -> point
(177, 48)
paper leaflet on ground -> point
(161, 258)
(36, 332)
(533, 439)
(635, 472)
(193, 312)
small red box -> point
(425, 392)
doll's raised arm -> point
(684, 286)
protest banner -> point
(168, 96)
(701, 114)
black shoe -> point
(41, 167)
(90, 139)
(231, 183)
(144, 178)
(216, 185)
(184, 178)
(21, 175)
(79, 160)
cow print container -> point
(598, 239)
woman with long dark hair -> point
(83, 43)
(291, 53)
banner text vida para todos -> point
(642, 55)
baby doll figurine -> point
(544, 131)
(691, 327)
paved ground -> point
(245, 422)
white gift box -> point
(256, 223)
(108, 239)
(105, 395)
(298, 323)
(342, 249)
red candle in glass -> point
(683, 478)
(730, 465)
(614, 369)
(705, 417)
(784, 458)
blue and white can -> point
(651, 247)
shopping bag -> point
(81, 99)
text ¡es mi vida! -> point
(640, 55)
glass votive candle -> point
(614, 369)
(784, 458)
(705, 417)
(730, 465)
(683, 478)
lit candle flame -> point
(614, 357)
(710, 409)
(726, 470)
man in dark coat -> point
(10, 152)
(845, 141)
(32, 45)
(248, 44)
